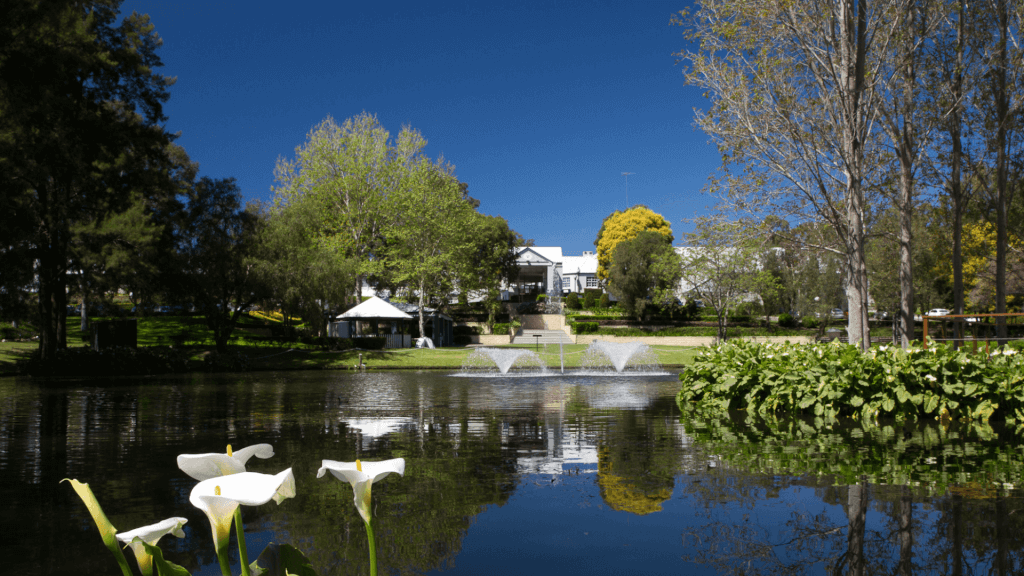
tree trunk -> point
(423, 324)
(1001, 100)
(906, 259)
(956, 191)
(853, 30)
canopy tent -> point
(375, 311)
(374, 308)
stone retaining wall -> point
(685, 340)
(491, 339)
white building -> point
(544, 270)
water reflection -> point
(504, 476)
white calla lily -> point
(150, 535)
(362, 475)
(212, 465)
(219, 498)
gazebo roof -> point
(374, 308)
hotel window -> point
(591, 281)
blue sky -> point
(541, 106)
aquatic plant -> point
(837, 380)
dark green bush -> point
(810, 322)
(588, 300)
(466, 330)
(606, 302)
(115, 361)
(572, 301)
(501, 328)
(585, 327)
(787, 320)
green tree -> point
(644, 269)
(719, 265)
(433, 226)
(620, 226)
(305, 275)
(349, 173)
(81, 108)
(217, 260)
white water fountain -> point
(622, 356)
(501, 360)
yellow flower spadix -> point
(229, 450)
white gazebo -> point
(384, 320)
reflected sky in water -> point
(580, 474)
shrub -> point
(833, 380)
(588, 300)
(541, 298)
(501, 328)
(585, 327)
(811, 322)
(787, 321)
(572, 301)
(115, 361)
(466, 330)
(606, 302)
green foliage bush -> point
(501, 328)
(584, 327)
(588, 300)
(787, 320)
(837, 380)
(606, 302)
(115, 361)
(810, 322)
(572, 301)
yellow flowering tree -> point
(621, 226)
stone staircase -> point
(546, 337)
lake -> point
(572, 475)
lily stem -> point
(373, 549)
(225, 565)
(243, 554)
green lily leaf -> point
(281, 559)
(107, 530)
(164, 567)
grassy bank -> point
(299, 357)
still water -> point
(575, 475)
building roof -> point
(375, 308)
(586, 264)
(550, 253)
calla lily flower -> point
(219, 498)
(362, 475)
(212, 465)
(150, 535)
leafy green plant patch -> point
(838, 380)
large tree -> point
(644, 269)
(80, 108)
(625, 225)
(433, 226)
(218, 259)
(793, 90)
(348, 173)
